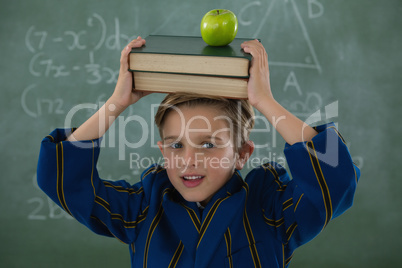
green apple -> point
(219, 27)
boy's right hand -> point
(124, 94)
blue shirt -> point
(254, 222)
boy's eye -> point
(176, 145)
(208, 145)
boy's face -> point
(198, 150)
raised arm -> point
(291, 128)
(122, 97)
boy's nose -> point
(191, 158)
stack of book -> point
(187, 64)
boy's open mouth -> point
(187, 178)
(192, 180)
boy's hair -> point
(239, 112)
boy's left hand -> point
(258, 85)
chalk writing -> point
(41, 65)
(44, 65)
(40, 105)
(316, 10)
(75, 40)
(92, 22)
(36, 40)
(302, 108)
(43, 205)
(117, 40)
(241, 15)
(291, 81)
(98, 73)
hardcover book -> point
(190, 55)
(229, 87)
(169, 64)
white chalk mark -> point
(27, 39)
(32, 62)
(34, 215)
(93, 69)
(291, 81)
(318, 6)
(24, 104)
(315, 65)
(42, 40)
(103, 29)
(262, 23)
(292, 64)
(306, 36)
(76, 40)
(240, 16)
(166, 22)
(302, 108)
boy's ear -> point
(160, 145)
(244, 154)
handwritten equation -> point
(42, 65)
(91, 39)
(36, 40)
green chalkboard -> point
(329, 60)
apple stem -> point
(217, 11)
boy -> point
(197, 211)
